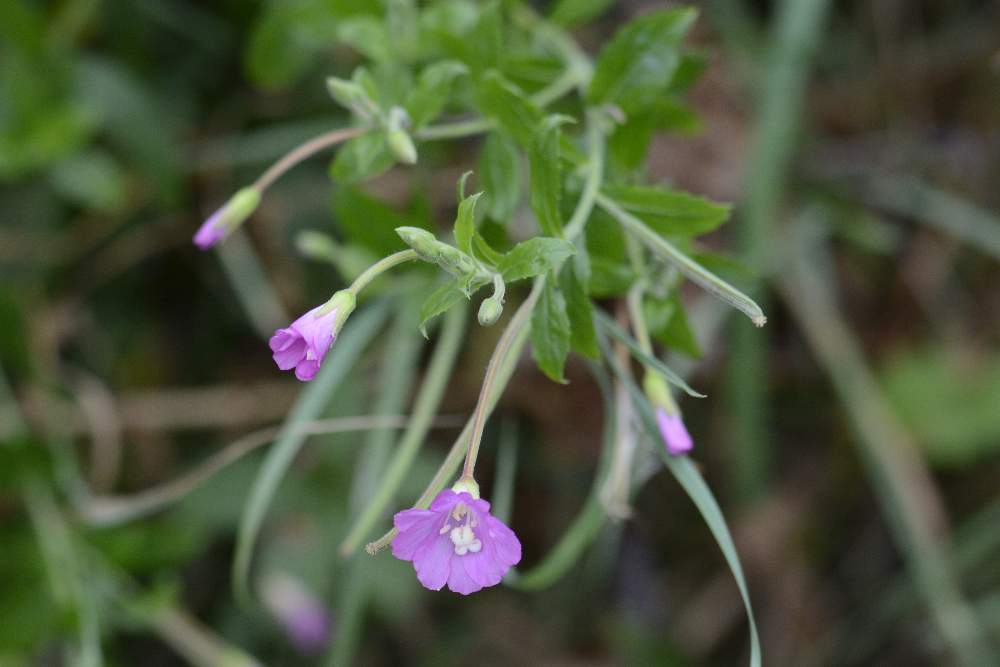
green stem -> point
(380, 267)
(428, 401)
(304, 151)
(690, 268)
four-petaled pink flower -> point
(303, 345)
(456, 542)
(675, 435)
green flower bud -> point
(490, 311)
(402, 146)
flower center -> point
(462, 536)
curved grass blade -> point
(611, 327)
(694, 485)
(312, 401)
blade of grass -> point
(506, 471)
(916, 199)
(904, 487)
(359, 331)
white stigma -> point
(465, 540)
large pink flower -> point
(304, 344)
(675, 435)
(456, 542)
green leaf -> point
(371, 223)
(500, 175)
(575, 12)
(310, 405)
(465, 223)
(638, 64)
(546, 180)
(609, 278)
(611, 327)
(366, 35)
(485, 251)
(286, 40)
(439, 301)
(430, 96)
(583, 337)
(534, 257)
(668, 323)
(550, 332)
(668, 212)
(503, 101)
(362, 158)
(486, 39)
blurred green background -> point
(854, 444)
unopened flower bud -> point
(402, 146)
(673, 432)
(232, 214)
(490, 311)
(451, 259)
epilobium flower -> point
(675, 435)
(232, 214)
(305, 342)
(456, 542)
(301, 613)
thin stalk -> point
(304, 151)
(115, 510)
(428, 401)
(379, 267)
(690, 268)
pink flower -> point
(456, 542)
(675, 435)
(304, 344)
(299, 611)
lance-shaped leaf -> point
(503, 101)
(546, 177)
(550, 332)
(500, 175)
(534, 257)
(583, 337)
(439, 301)
(669, 212)
(465, 223)
(638, 65)
(362, 158)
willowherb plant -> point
(600, 231)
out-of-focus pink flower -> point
(456, 542)
(299, 612)
(675, 435)
(304, 344)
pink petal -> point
(415, 528)
(433, 562)
(306, 370)
(675, 435)
(460, 581)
